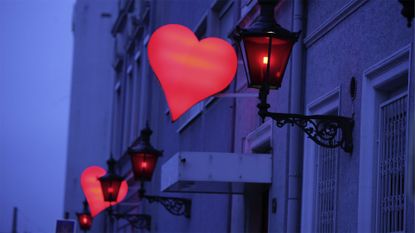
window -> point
(135, 127)
(320, 179)
(391, 165)
(217, 21)
(326, 189)
(385, 170)
(129, 105)
(223, 18)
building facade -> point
(354, 58)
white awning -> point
(211, 172)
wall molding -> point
(333, 21)
(324, 104)
(261, 137)
(375, 79)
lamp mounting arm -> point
(175, 206)
(326, 130)
(138, 221)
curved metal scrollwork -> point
(176, 206)
(325, 130)
(138, 221)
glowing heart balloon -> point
(92, 190)
(189, 70)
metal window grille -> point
(391, 165)
(326, 189)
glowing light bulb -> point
(110, 190)
(144, 165)
(84, 220)
(265, 60)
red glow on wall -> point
(92, 190)
(189, 70)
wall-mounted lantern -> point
(110, 186)
(143, 156)
(265, 49)
(85, 218)
(144, 159)
(110, 182)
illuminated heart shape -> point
(92, 190)
(189, 70)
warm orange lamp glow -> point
(189, 70)
(93, 192)
(265, 60)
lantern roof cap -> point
(265, 24)
(111, 175)
(142, 144)
(86, 207)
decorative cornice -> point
(333, 21)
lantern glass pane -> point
(143, 165)
(280, 54)
(256, 49)
(258, 57)
(110, 189)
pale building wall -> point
(341, 39)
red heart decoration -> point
(92, 190)
(189, 70)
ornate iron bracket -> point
(138, 221)
(175, 206)
(325, 130)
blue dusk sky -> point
(35, 71)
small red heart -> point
(189, 70)
(92, 190)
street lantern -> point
(144, 160)
(266, 48)
(143, 156)
(110, 182)
(110, 187)
(85, 218)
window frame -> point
(328, 103)
(377, 81)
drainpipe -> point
(412, 123)
(295, 163)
